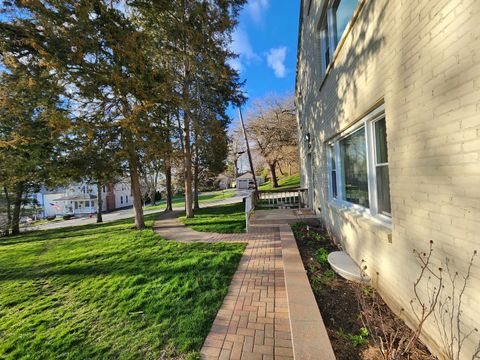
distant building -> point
(223, 182)
(81, 199)
(245, 181)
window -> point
(353, 154)
(126, 199)
(121, 199)
(343, 11)
(333, 172)
(358, 166)
(324, 44)
(103, 188)
(333, 23)
(381, 167)
(76, 205)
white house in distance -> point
(81, 199)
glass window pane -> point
(383, 190)
(354, 163)
(344, 12)
(325, 44)
(381, 141)
(332, 157)
(334, 183)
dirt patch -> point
(337, 300)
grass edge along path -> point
(108, 291)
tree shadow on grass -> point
(75, 231)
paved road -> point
(128, 213)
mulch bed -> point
(338, 302)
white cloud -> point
(243, 48)
(256, 8)
(276, 60)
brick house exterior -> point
(389, 125)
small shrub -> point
(322, 257)
(67, 217)
(299, 230)
(328, 276)
(317, 283)
(360, 339)
(315, 236)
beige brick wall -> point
(423, 59)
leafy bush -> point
(322, 257)
(67, 217)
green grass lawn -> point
(109, 292)
(285, 183)
(179, 201)
(224, 219)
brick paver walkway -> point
(253, 321)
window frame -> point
(368, 123)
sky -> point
(266, 42)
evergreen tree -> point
(33, 124)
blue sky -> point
(266, 41)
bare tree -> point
(272, 128)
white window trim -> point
(372, 212)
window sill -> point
(362, 216)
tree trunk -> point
(168, 185)
(17, 206)
(135, 184)
(168, 167)
(187, 162)
(9, 212)
(99, 203)
(196, 205)
(153, 193)
(187, 151)
(273, 174)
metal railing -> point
(281, 199)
